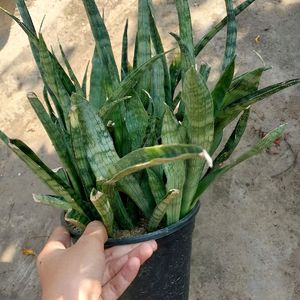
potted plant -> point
(136, 151)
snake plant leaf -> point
(84, 81)
(175, 72)
(143, 33)
(131, 187)
(58, 139)
(62, 76)
(161, 209)
(101, 152)
(227, 115)
(187, 58)
(199, 109)
(199, 120)
(234, 139)
(102, 40)
(243, 85)
(223, 85)
(205, 71)
(212, 33)
(84, 168)
(31, 35)
(152, 135)
(157, 89)
(231, 35)
(124, 61)
(98, 144)
(185, 24)
(121, 215)
(120, 132)
(26, 18)
(135, 51)
(76, 219)
(156, 185)
(136, 120)
(54, 182)
(99, 90)
(254, 150)
(151, 156)
(27, 27)
(55, 201)
(131, 81)
(70, 71)
(101, 201)
(143, 47)
(51, 75)
(106, 109)
(49, 106)
(174, 171)
(158, 46)
(48, 70)
(61, 172)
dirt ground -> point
(247, 236)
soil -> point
(247, 236)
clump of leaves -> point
(132, 150)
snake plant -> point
(136, 147)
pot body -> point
(166, 275)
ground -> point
(247, 235)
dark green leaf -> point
(103, 45)
(151, 156)
(211, 34)
(223, 85)
(161, 209)
(124, 61)
(256, 149)
(231, 35)
(199, 122)
(185, 24)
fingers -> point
(142, 251)
(118, 251)
(96, 230)
(113, 289)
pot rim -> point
(155, 235)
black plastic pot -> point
(166, 275)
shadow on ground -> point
(5, 21)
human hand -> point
(85, 270)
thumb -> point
(94, 229)
(59, 240)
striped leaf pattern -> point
(175, 171)
(101, 201)
(199, 121)
(231, 35)
(255, 150)
(161, 209)
(134, 145)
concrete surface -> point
(247, 237)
